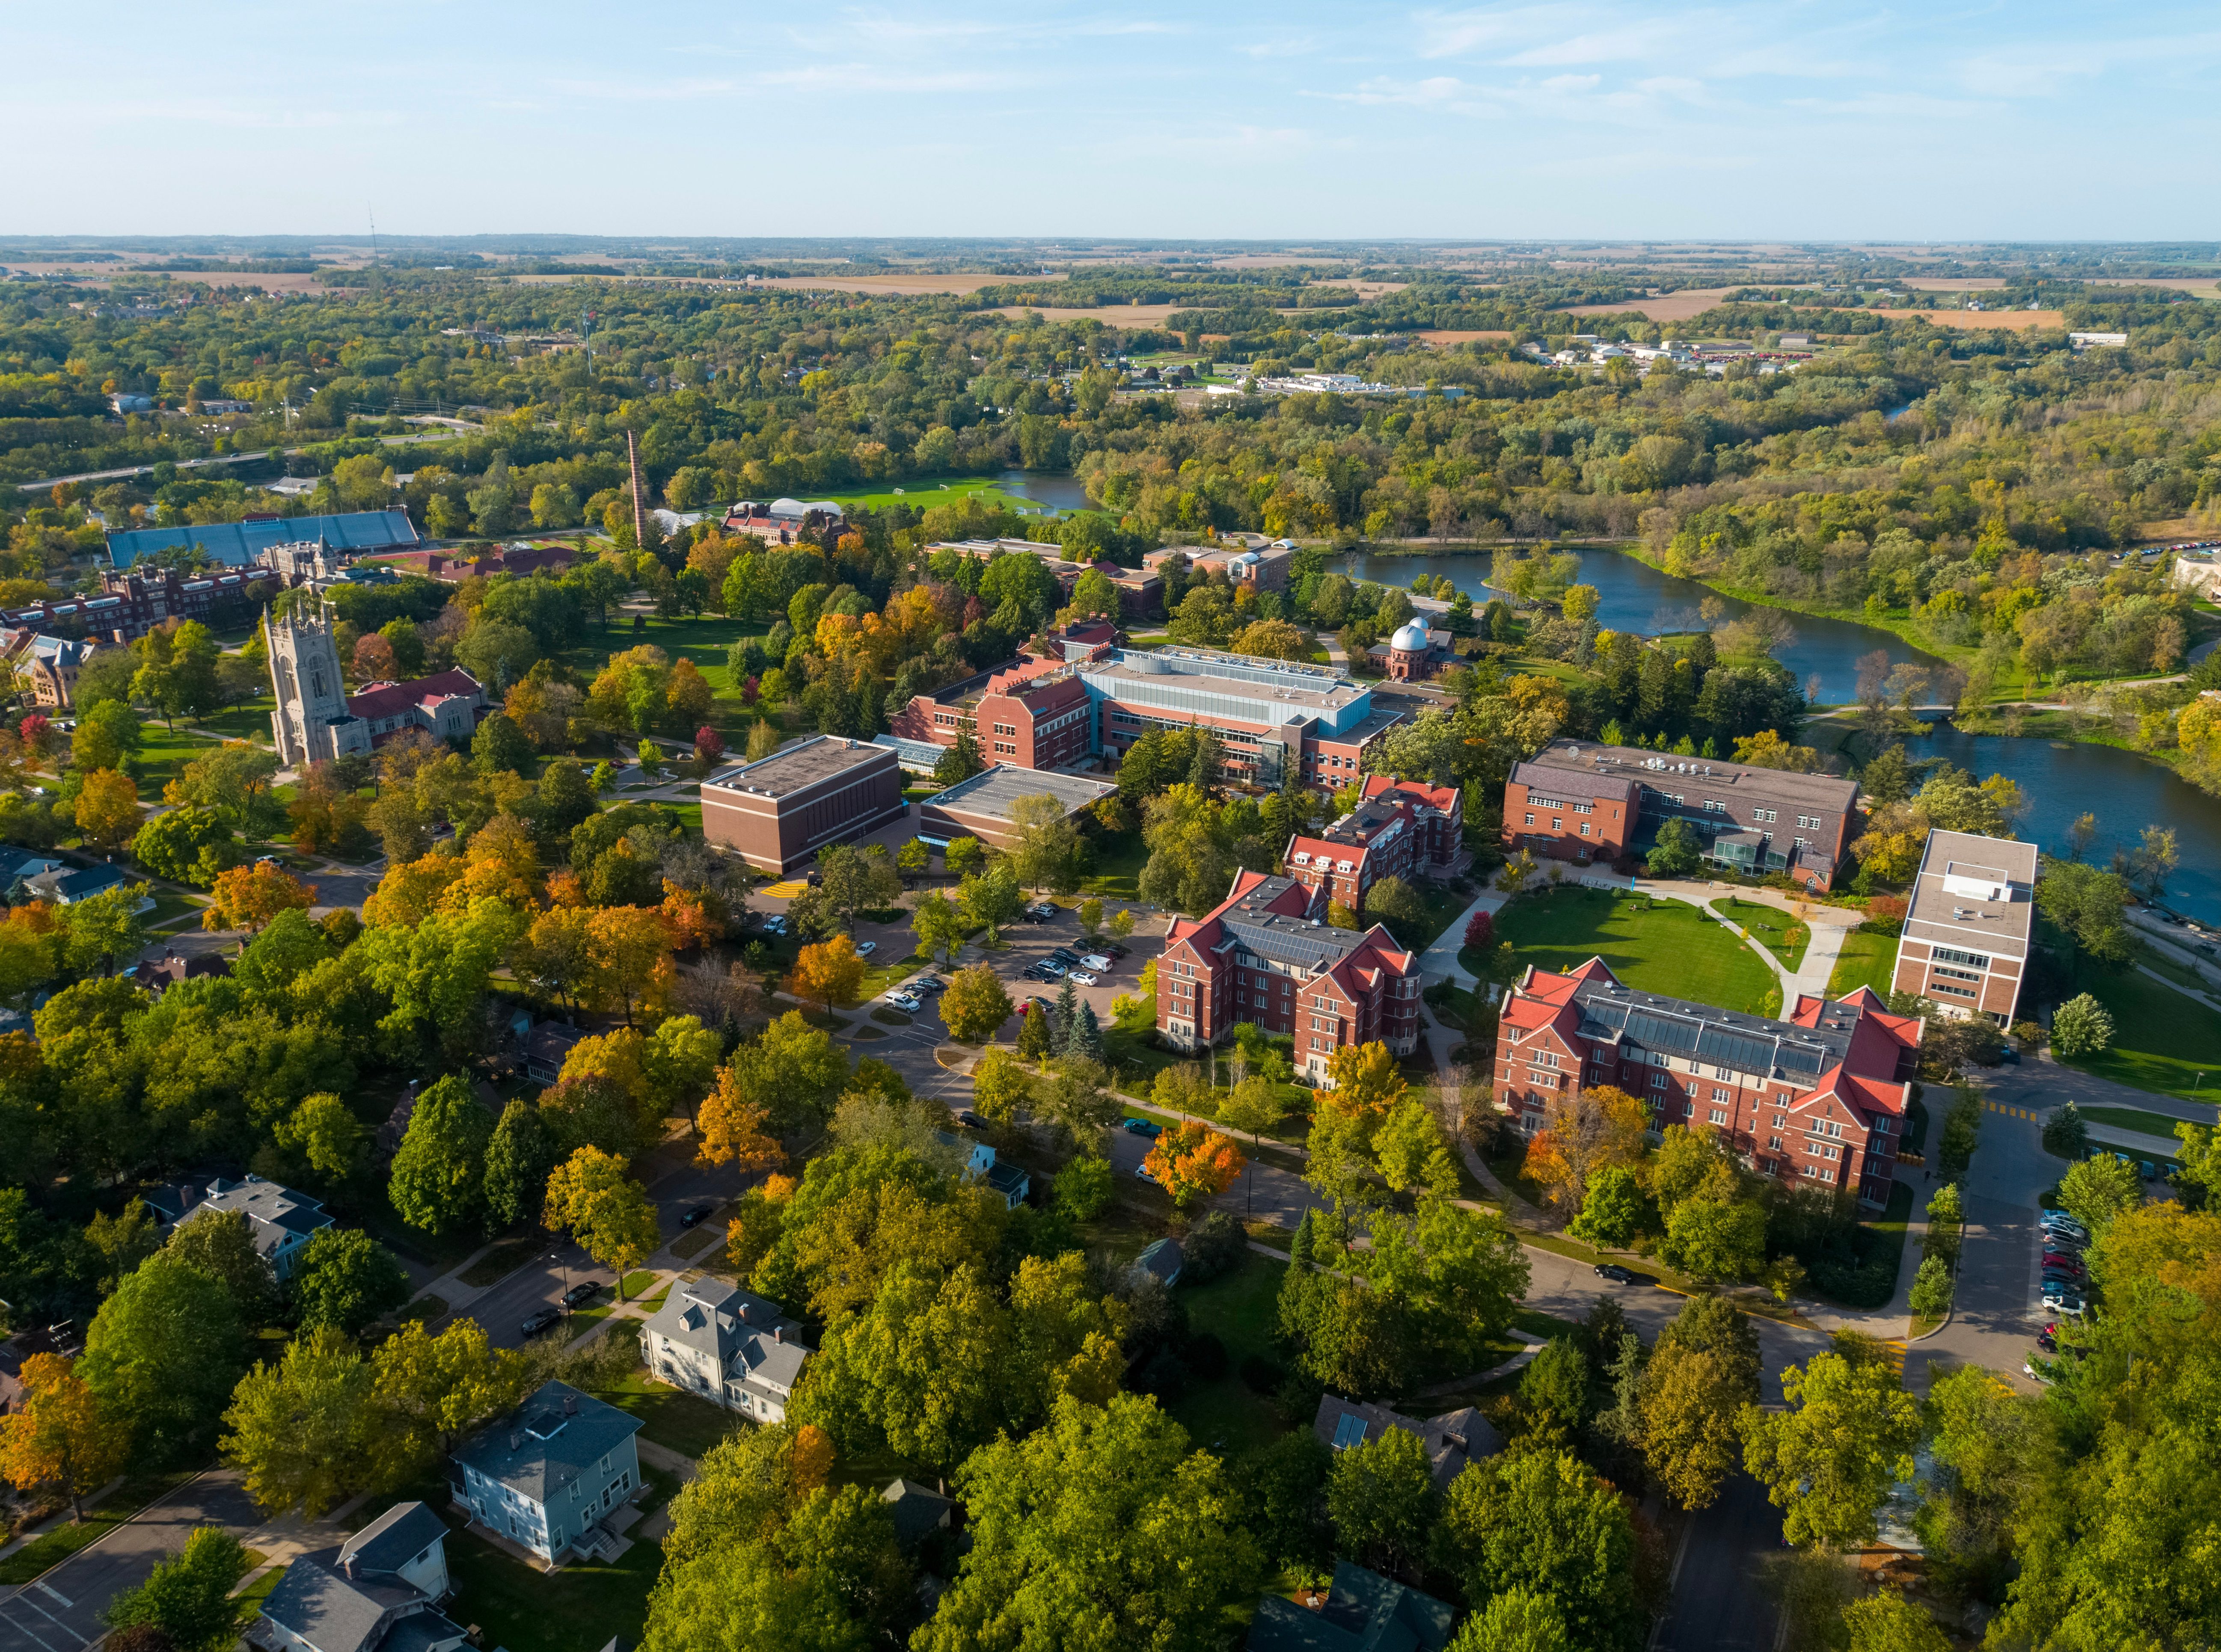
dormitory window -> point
(1765, 816)
(1718, 1117)
(1809, 822)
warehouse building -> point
(777, 812)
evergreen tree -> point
(1086, 1035)
(1202, 768)
(1065, 1019)
(518, 1157)
(1035, 1038)
(1300, 1247)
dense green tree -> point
(299, 1429)
(346, 1279)
(221, 1244)
(439, 1170)
(162, 1352)
(188, 1598)
(1382, 1500)
(1540, 1521)
(518, 1156)
(1830, 1459)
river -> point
(1632, 595)
(2064, 780)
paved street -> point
(1718, 1603)
(60, 1612)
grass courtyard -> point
(2163, 1041)
(581, 1608)
(1662, 946)
(1867, 960)
(1769, 926)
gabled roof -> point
(317, 1601)
(394, 1539)
(547, 1442)
(394, 698)
(918, 1510)
(745, 1333)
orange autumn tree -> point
(1583, 1132)
(61, 1435)
(829, 972)
(809, 1458)
(732, 1130)
(248, 898)
(1193, 1163)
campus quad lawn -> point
(163, 753)
(1769, 925)
(1119, 858)
(1662, 947)
(2162, 1040)
(1866, 960)
(1242, 1309)
(581, 1608)
(929, 491)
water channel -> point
(1632, 595)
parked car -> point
(1147, 1127)
(775, 924)
(1037, 1002)
(1084, 978)
(539, 1320)
(2063, 1299)
(697, 1216)
(1142, 1170)
(1050, 967)
(865, 948)
(1096, 962)
(904, 1002)
(971, 1121)
(927, 984)
(1042, 911)
(1616, 1273)
(1036, 973)
(580, 1294)
(1064, 955)
(2065, 1262)
(1116, 950)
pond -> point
(2064, 780)
(1044, 487)
(1632, 595)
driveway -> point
(60, 1612)
(1719, 1603)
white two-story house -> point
(545, 1476)
(725, 1344)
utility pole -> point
(639, 515)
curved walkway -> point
(1827, 924)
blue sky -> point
(1840, 121)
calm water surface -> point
(2127, 794)
(1042, 487)
(1632, 595)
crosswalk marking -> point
(788, 890)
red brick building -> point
(130, 604)
(1035, 714)
(780, 810)
(1399, 830)
(1968, 931)
(1818, 1100)
(1266, 955)
(1576, 801)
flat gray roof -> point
(1664, 771)
(798, 767)
(993, 791)
(1940, 917)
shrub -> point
(2081, 1026)
(1261, 1376)
(1931, 1289)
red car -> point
(2060, 1262)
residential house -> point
(919, 1511)
(379, 1592)
(281, 1220)
(1162, 1259)
(1013, 1182)
(547, 1476)
(159, 975)
(18, 867)
(1452, 1440)
(727, 1345)
(1361, 1611)
(547, 1047)
(65, 885)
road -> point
(216, 459)
(1718, 1604)
(60, 1612)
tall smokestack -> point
(639, 514)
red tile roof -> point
(393, 699)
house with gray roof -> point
(1013, 1181)
(727, 1345)
(1162, 1259)
(1363, 1611)
(65, 885)
(919, 1511)
(378, 1592)
(282, 1220)
(547, 1476)
(1452, 1440)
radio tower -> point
(639, 515)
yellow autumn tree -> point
(732, 1130)
(1585, 1132)
(61, 1436)
(1366, 1081)
(829, 972)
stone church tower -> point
(312, 724)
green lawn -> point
(1119, 858)
(1866, 960)
(2162, 1040)
(929, 491)
(580, 1609)
(1769, 925)
(1242, 1309)
(692, 1244)
(1662, 947)
(163, 754)
(249, 719)
(2132, 1118)
(678, 1421)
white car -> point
(865, 948)
(2064, 1302)
(903, 1001)
(1082, 977)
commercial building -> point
(984, 806)
(547, 1475)
(238, 544)
(1577, 801)
(727, 1345)
(1266, 955)
(1263, 565)
(1966, 932)
(1816, 1099)
(280, 1219)
(779, 811)
(1399, 829)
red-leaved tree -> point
(1480, 930)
